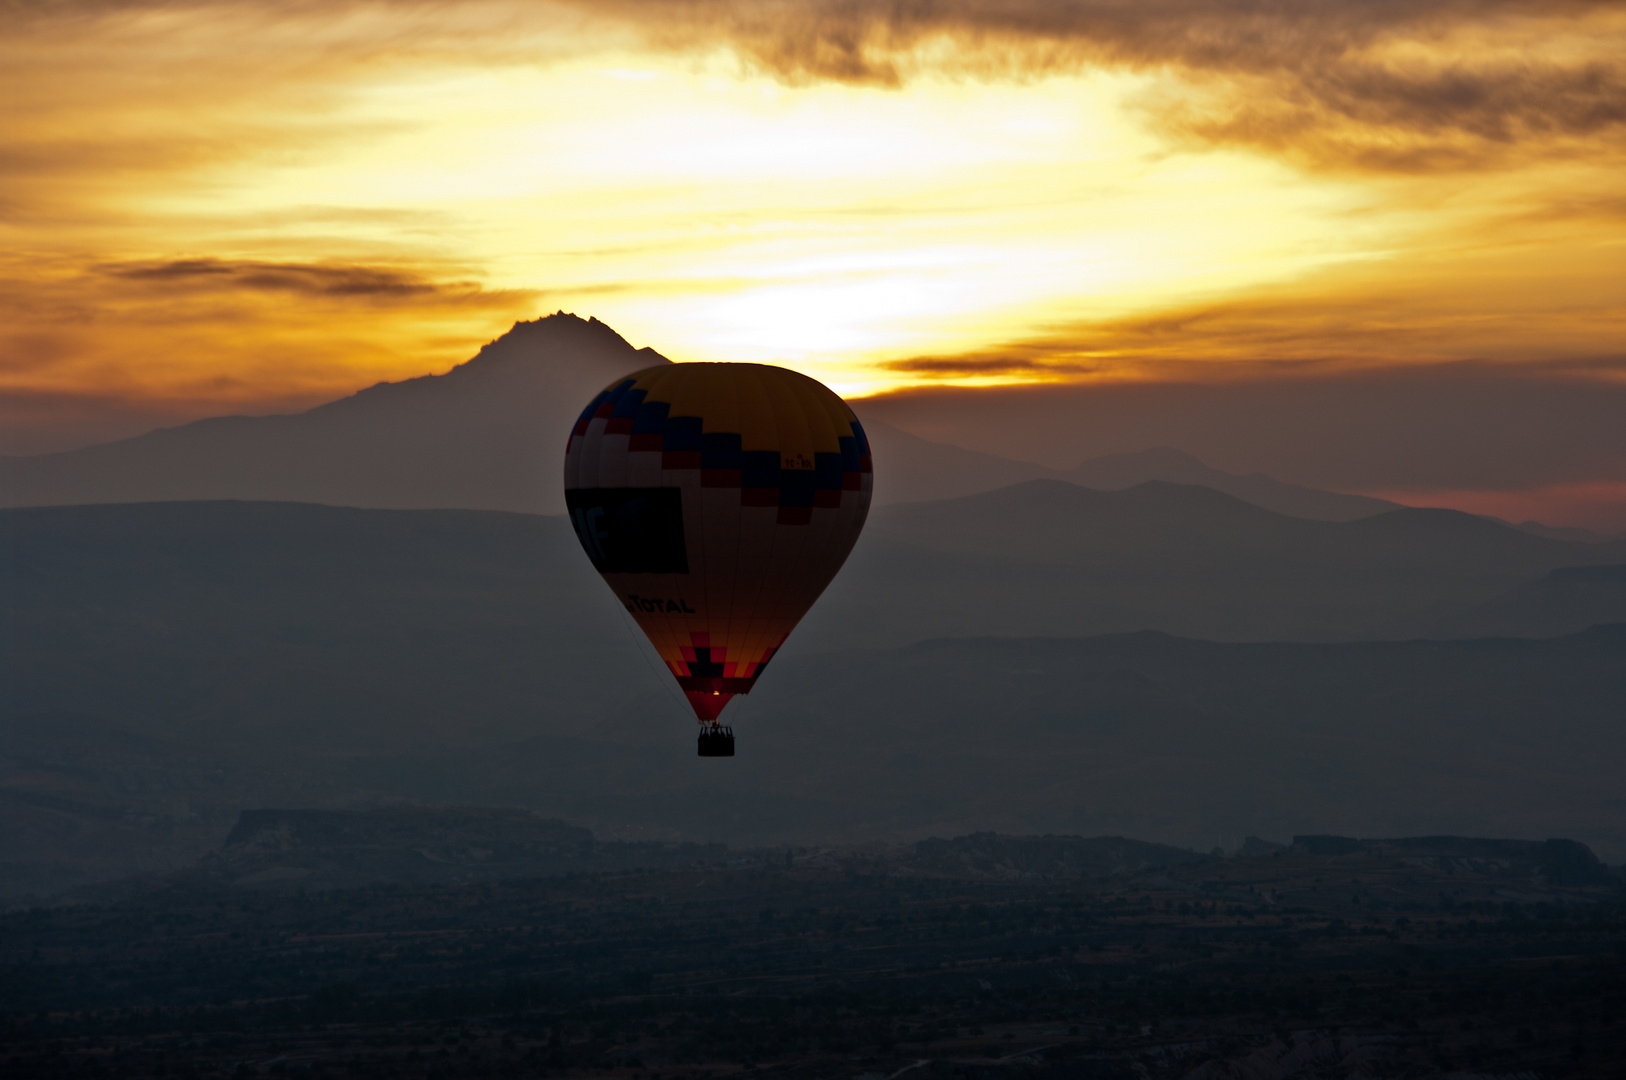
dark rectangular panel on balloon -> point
(720, 450)
(627, 405)
(683, 433)
(827, 467)
(652, 420)
(796, 487)
(630, 530)
(759, 469)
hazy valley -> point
(168, 665)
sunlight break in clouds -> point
(239, 207)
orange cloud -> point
(1431, 307)
(308, 280)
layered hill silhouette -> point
(1048, 557)
(487, 434)
(913, 469)
(1553, 605)
(1116, 472)
(166, 666)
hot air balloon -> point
(717, 501)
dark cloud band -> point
(998, 364)
(1313, 80)
(305, 279)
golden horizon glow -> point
(236, 208)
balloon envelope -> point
(717, 501)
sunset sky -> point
(238, 207)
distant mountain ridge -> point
(486, 435)
(1566, 597)
(1119, 471)
(1049, 557)
(912, 469)
(471, 438)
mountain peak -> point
(562, 348)
(562, 326)
(562, 337)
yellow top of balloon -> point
(769, 407)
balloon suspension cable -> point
(663, 676)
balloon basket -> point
(716, 740)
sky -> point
(246, 208)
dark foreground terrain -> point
(983, 957)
